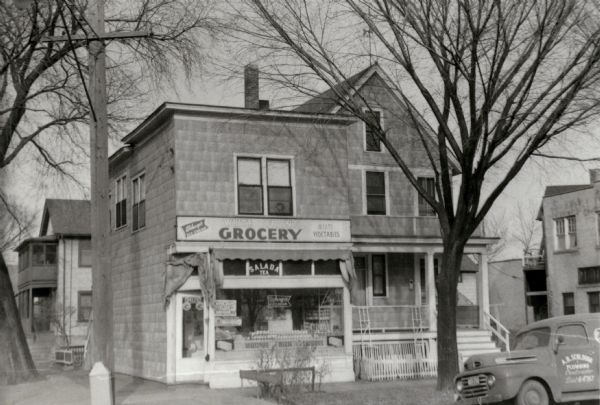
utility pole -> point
(102, 314)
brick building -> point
(298, 222)
(54, 282)
(564, 276)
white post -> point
(211, 333)
(431, 298)
(417, 280)
(483, 295)
(347, 321)
(101, 385)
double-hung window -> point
(568, 303)
(372, 142)
(139, 202)
(379, 274)
(424, 209)
(276, 186)
(594, 301)
(565, 229)
(85, 252)
(84, 306)
(121, 202)
(375, 193)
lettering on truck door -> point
(577, 359)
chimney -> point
(594, 175)
(251, 87)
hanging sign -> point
(263, 268)
(225, 321)
(193, 302)
(279, 301)
(225, 308)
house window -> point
(279, 187)
(84, 306)
(589, 275)
(139, 202)
(372, 142)
(375, 188)
(566, 232)
(85, 253)
(598, 228)
(378, 269)
(43, 254)
(424, 209)
(24, 259)
(568, 303)
(121, 202)
(250, 191)
(594, 300)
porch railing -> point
(390, 317)
(499, 332)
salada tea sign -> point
(263, 268)
(262, 229)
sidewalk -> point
(72, 388)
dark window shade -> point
(296, 268)
(326, 267)
(234, 267)
(594, 301)
(568, 303)
(121, 214)
(375, 193)
(280, 200)
(379, 277)
(589, 275)
(250, 199)
(428, 183)
(373, 144)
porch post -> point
(211, 332)
(417, 280)
(431, 299)
(347, 321)
(483, 295)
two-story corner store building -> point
(238, 228)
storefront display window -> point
(250, 319)
(193, 327)
(281, 268)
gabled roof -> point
(68, 217)
(551, 191)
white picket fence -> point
(395, 360)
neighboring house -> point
(564, 277)
(311, 231)
(507, 293)
(54, 284)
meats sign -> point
(262, 229)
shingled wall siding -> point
(139, 262)
(205, 167)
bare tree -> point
(496, 224)
(527, 228)
(497, 80)
(44, 99)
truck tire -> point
(533, 392)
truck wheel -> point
(532, 393)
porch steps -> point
(475, 341)
(42, 349)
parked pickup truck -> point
(553, 360)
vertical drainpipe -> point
(64, 255)
(71, 288)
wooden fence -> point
(395, 360)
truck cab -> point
(552, 360)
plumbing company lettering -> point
(262, 229)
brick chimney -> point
(251, 87)
(594, 175)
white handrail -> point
(499, 331)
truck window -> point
(533, 338)
(573, 335)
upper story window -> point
(372, 142)
(276, 186)
(121, 202)
(139, 202)
(85, 253)
(375, 193)
(594, 301)
(568, 303)
(24, 259)
(424, 209)
(565, 233)
(43, 254)
(589, 275)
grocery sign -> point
(262, 229)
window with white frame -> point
(277, 187)
(375, 193)
(138, 208)
(372, 141)
(84, 306)
(85, 252)
(424, 209)
(598, 228)
(121, 202)
(594, 301)
(379, 275)
(565, 229)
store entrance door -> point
(191, 339)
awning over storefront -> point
(294, 255)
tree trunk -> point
(16, 364)
(447, 284)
